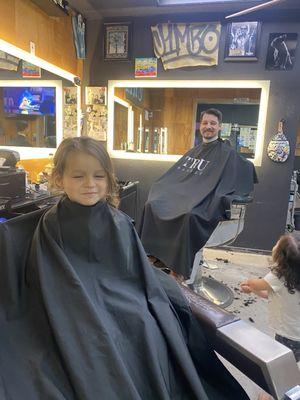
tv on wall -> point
(29, 100)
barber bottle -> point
(139, 139)
(146, 140)
(235, 136)
(155, 140)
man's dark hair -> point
(212, 111)
(21, 125)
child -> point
(281, 287)
(97, 321)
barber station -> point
(150, 200)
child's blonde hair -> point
(286, 256)
(94, 148)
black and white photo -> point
(281, 51)
(117, 41)
(242, 41)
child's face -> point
(84, 180)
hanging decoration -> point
(78, 25)
(279, 147)
(187, 44)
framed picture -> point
(145, 67)
(30, 70)
(117, 41)
(242, 40)
(70, 95)
(95, 95)
(281, 51)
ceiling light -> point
(255, 8)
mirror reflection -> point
(27, 116)
(166, 120)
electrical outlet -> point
(32, 48)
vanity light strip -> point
(24, 55)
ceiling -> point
(97, 9)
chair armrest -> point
(233, 205)
(210, 315)
(254, 353)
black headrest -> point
(11, 157)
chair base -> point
(215, 291)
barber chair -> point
(225, 233)
(265, 361)
(129, 198)
(268, 363)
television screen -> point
(29, 100)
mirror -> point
(165, 116)
(27, 115)
(35, 114)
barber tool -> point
(279, 147)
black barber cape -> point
(88, 318)
(185, 205)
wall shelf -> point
(50, 8)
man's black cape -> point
(86, 317)
(185, 205)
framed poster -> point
(117, 41)
(242, 39)
(30, 70)
(70, 95)
(281, 51)
(97, 122)
(95, 95)
(145, 67)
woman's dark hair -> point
(286, 255)
(94, 148)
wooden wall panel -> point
(8, 21)
(21, 21)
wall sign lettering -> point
(187, 44)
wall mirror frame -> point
(264, 87)
(41, 152)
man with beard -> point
(185, 205)
(210, 125)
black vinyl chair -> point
(268, 363)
